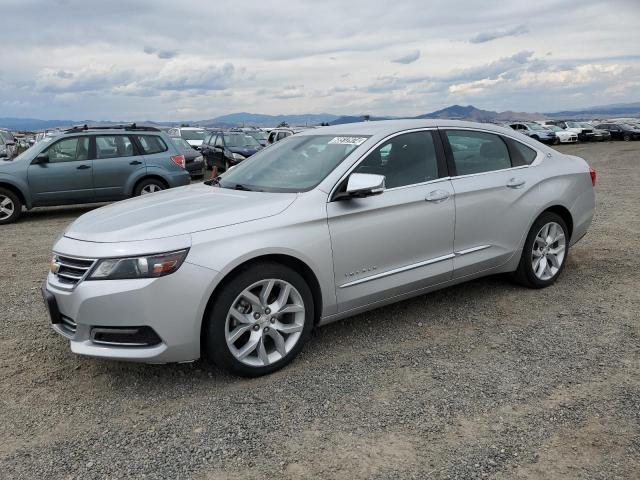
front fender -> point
(19, 185)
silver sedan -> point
(318, 227)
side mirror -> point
(362, 185)
(41, 158)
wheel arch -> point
(564, 213)
(147, 177)
(284, 259)
(26, 201)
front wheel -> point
(627, 138)
(259, 320)
(556, 141)
(10, 206)
(545, 252)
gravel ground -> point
(482, 380)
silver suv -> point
(317, 227)
(89, 164)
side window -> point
(282, 135)
(477, 152)
(520, 153)
(152, 144)
(272, 137)
(113, 146)
(219, 141)
(403, 160)
(69, 150)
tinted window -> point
(152, 144)
(272, 137)
(282, 135)
(240, 140)
(404, 160)
(69, 150)
(218, 141)
(193, 134)
(113, 146)
(521, 154)
(477, 152)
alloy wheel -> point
(7, 207)
(548, 251)
(265, 322)
(151, 188)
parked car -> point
(564, 136)
(621, 131)
(535, 131)
(599, 135)
(90, 164)
(193, 135)
(259, 135)
(227, 149)
(9, 142)
(585, 134)
(311, 230)
(279, 133)
(194, 161)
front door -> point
(494, 190)
(67, 176)
(401, 240)
(115, 163)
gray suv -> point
(90, 164)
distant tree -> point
(184, 125)
(366, 118)
(283, 124)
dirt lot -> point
(483, 380)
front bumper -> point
(171, 306)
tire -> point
(627, 138)
(10, 206)
(253, 329)
(553, 263)
(535, 137)
(556, 141)
(149, 185)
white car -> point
(194, 136)
(565, 136)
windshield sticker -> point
(347, 141)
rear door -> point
(494, 189)
(116, 161)
(67, 176)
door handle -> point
(83, 167)
(437, 196)
(135, 162)
(515, 183)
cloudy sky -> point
(188, 59)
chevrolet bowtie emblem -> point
(55, 267)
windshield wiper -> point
(242, 187)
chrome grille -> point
(70, 270)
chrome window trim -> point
(538, 160)
(413, 266)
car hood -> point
(176, 211)
(245, 152)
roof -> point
(388, 127)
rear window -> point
(152, 144)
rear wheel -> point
(150, 185)
(545, 252)
(627, 138)
(10, 206)
(259, 320)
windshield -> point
(295, 164)
(240, 140)
(181, 143)
(535, 126)
(573, 125)
(258, 135)
(553, 128)
(627, 125)
(193, 134)
(585, 125)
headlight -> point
(151, 266)
(237, 156)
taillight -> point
(592, 172)
(179, 160)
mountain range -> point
(240, 119)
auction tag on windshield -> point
(347, 140)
